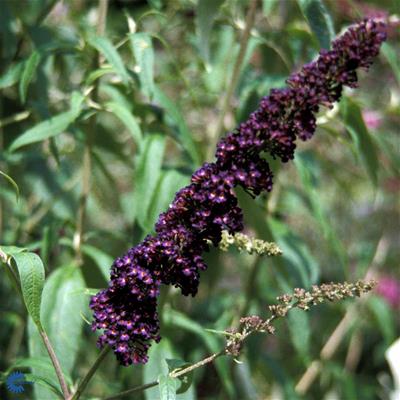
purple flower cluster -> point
(127, 310)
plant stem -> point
(86, 379)
(55, 362)
(176, 374)
(87, 158)
(249, 23)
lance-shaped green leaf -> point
(179, 320)
(102, 259)
(63, 302)
(147, 174)
(105, 47)
(126, 117)
(142, 49)
(31, 273)
(366, 148)
(175, 118)
(206, 12)
(169, 183)
(159, 356)
(52, 126)
(185, 380)
(307, 167)
(319, 20)
(12, 182)
(392, 57)
(299, 328)
(167, 387)
(12, 75)
(28, 73)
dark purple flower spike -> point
(127, 310)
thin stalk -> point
(249, 23)
(87, 158)
(86, 379)
(14, 118)
(176, 374)
(55, 362)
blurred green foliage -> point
(103, 117)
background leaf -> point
(184, 134)
(50, 127)
(319, 20)
(12, 182)
(28, 73)
(147, 173)
(142, 49)
(127, 119)
(363, 141)
(167, 387)
(169, 183)
(105, 47)
(31, 273)
(63, 301)
(207, 11)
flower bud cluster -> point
(250, 245)
(126, 311)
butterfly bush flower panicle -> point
(126, 311)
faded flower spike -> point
(127, 310)
(301, 299)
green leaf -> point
(299, 328)
(366, 148)
(38, 362)
(159, 355)
(185, 380)
(52, 126)
(296, 255)
(167, 387)
(31, 273)
(206, 12)
(169, 183)
(102, 259)
(105, 47)
(179, 320)
(127, 119)
(98, 73)
(46, 383)
(28, 74)
(63, 302)
(392, 57)
(12, 182)
(307, 167)
(157, 4)
(384, 317)
(143, 52)
(12, 75)
(173, 113)
(147, 174)
(319, 20)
